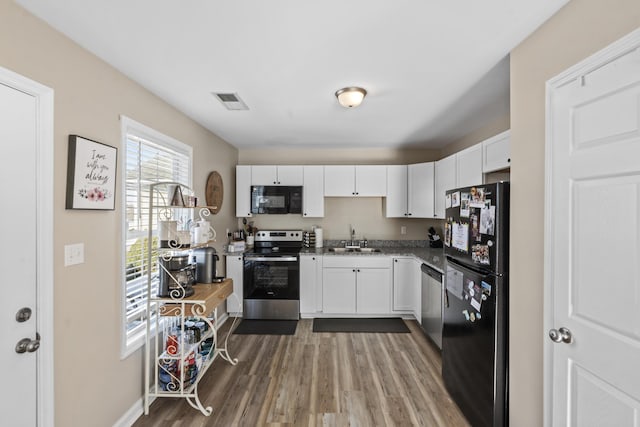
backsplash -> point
(365, 215)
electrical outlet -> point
(73, 254)
(403, 230)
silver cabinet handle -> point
(561, 335)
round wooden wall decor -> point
(214, 192)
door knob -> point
(561, 335)
(28, 345)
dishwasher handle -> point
(431, 272)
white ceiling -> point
(434, 70)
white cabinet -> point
(396, 203)
(496, 152)
(310, 283)
(410, 191)
(404, 284)
(338, 290)
(356, 285)
(417, 281)
(469, 166)
(235, 267)
(445, 179)
(349, 181)
(243, 190)
(420, 190)
(313, 192)
(276, 175)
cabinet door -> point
(339, 290)
(396, 203)
(469, 166)
(496, 153)
(421, 190)
(243, 191)
(339, 181)
(264, 175)
(235, 267)
(403, 284)
(313, 192)
(290, 175)
(373, 290)
(445, 179)
(416, 282)
(308, 283)
(371, 181)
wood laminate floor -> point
(319, 379)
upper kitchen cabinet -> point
(355, 181)
(469, 166)
(243, 190)
(313, 191)
(410, 191)
(496, 153)
(445, 179)
(276, 175)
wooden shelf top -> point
(206, 297)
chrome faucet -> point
(352, 243)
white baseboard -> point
(137, 409)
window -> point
(149, 157)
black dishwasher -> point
(432, 304)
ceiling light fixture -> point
(350, 97)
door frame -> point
(44, 238)
(610, 53)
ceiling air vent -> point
(231, 101)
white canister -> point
(208, 232)
(250, 239)
(318, 232)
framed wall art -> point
(91, 174)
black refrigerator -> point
(475, 302)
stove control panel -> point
(278, 236)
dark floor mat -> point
(393, 325)
(266, 327)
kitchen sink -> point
(362, 250)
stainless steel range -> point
(272, 276)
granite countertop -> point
(433, 257)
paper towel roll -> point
(318, 232)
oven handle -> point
(274, 259)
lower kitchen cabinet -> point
(356, 285)
(235, 266)
(310, 283)
(405, 284)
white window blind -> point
(148, 160)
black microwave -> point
(272, 199)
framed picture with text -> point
(91, 174)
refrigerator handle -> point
(446, 298)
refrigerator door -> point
(477, 226)
(474, 361)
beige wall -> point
(487, 131)
(366, 215)
(92, 385)
(578, 30)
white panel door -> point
(308, 277)
(243, 190)
(396, 203)
(371, 181)
(469, 166)
(592, 247)
(290, 175)
(313, 192)
(496, 152)
(18, 149)
(339, 181)
(404, 295)
(235, 272)
(373, 291)
(339, 290)
(421, 190)
(445, 179)
(264, 175)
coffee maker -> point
(205, 259)
(176, 277)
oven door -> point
(271, 277)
